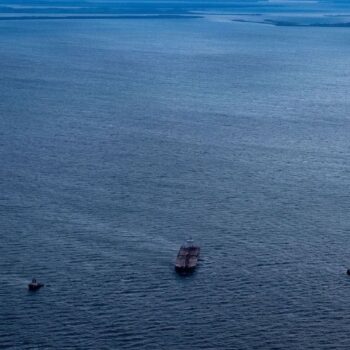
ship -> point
(34, 285)
(187, 257)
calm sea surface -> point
(121, 138)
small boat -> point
(34, 285)
(187, 257)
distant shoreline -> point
(160, 16)
(266, 21)
(295, 24)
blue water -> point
(121, 138)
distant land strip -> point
(296, 24)
(13, 18)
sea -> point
(120, 138)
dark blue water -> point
(119, 139)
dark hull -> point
(184, 270)
(35, 286)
